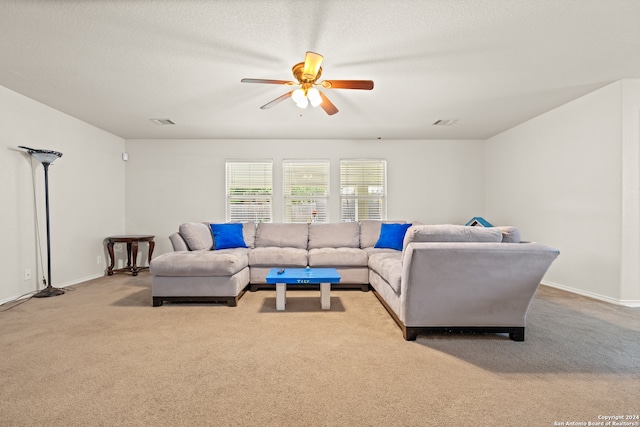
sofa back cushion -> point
(282, 235)
(178, 242)
(337, 235)
(370, 231)
(510, 234)
(249, 233)
(197, 235)
(451, 233)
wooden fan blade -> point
(327, 105)
(273, 82)
(312, 63)
(348, 84)
(276, 101)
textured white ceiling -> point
(491, 64)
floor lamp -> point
(46, 157)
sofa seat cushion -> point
(226, 262)
(389, 267)
(335, 235)
(337, 257)
(278, 257)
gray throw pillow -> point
(197, 235)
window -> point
(363, 190)
(306, 190)
(249, 187)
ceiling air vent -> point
(163, 121)
(444, 122)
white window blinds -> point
(306, 190)
(363, 190)
(249, 188)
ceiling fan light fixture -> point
(297, 95)
(314, 97)
(300, 98)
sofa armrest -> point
(178, 242)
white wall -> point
(173, 181)
(86, 190)
(559, 177)
(630, 280)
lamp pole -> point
(46, 157)
(49, 291)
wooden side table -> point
(132, 252)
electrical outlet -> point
(99, 259)
(27, 274)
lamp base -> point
(49, 291)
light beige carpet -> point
(103, 356)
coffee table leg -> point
(325, 295)
(281, 296)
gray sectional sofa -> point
(440, 278)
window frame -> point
(379, 182)
(250, 199)
(319, 202)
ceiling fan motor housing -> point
(298, 73)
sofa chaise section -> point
(196, 273)
(455, 278)
(200, 276)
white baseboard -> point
(17, 298)
(64, 285)
(78, 281)
(626, 303)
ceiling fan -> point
(307, 74)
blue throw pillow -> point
(227, 236)
(392, 236)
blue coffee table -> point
(303, 276)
